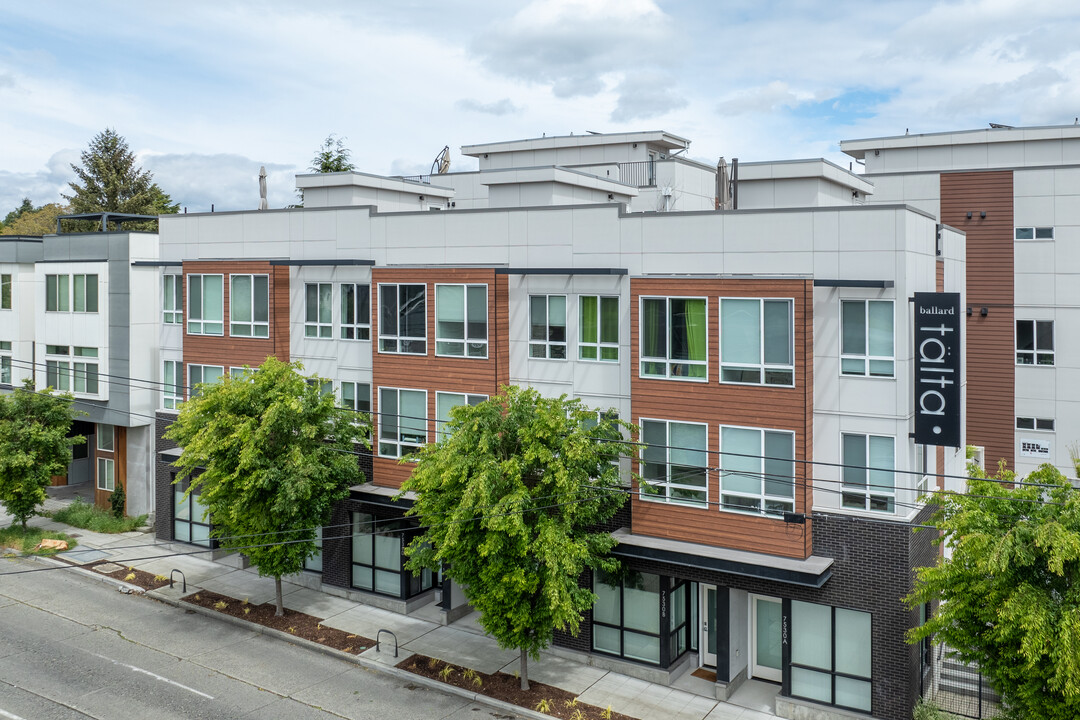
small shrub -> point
(118, 501)
(221, 605)
(543, 706)
(606, 713)
(247, 610)
(471, 676)
(571, 703)
(432, 662)
(130, 577)
(160, 578)
(926, 710)
(578, 714)
(446, 672)
(83, 515)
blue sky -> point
(206, 92)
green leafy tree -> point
(511, 500)
(24, 207)
(1010, 594)
(109, 180)
(332, 156)
(34, 446)
(37, 221)
(270, 455)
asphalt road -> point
(74, 648)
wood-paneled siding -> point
(990, 355)
(436, 373)
(119, 457)
(767, 407)
(229, 351)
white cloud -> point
(645, 96)
(498, 108)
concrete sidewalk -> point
(462, 644)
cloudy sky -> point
(206, 92)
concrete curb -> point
(124, 587)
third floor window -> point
(206, 306)
(249, 306)
(599, 328)
(1034, 342)
(757, 341)
(318, 310)
(461, 320)
(673, 338)
(866, 338)
(403, 318)
(173, 299)
(355, 311)
(78, 292)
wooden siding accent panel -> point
(119, 457)
(710, 402)
(990, 355)
(430, 372)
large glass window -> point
(355, 311)
(402, 421)
(203, 374)
(830, 655)
(1034, 342)
(757, 341)
(172, 389)
(206, 305)
(106, 437)
(547, 326)
(86, 370)
(403, 319)
(105, 474)
(444, 402)
(675, 467)
(869, 461)
(757, 470)
(191, 522)
(599, 328)
(673, 338)
(626, 616)
(461, 320)
(249, 305)
(5, 291)
(867, 338)
(356, 396)
(173, 299)
(57, 293)
(318, 310)
(314, 563)
(84, 293)
(59, 368)
(377, 558)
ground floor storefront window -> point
(377, 558)
(190, 522)
(830, 655)
(644, 617)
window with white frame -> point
(757, 470)
(1034, 233)
(5, 362)
(402, 421)
(5, 291)
(403, 318)
(57, 293)
(1034, 342)
(674, 338)
(921, 475)
(62, 360)
(86, 370)
(58, 367)
(249, 305)
(757, 341)
(84, 293)
(599, 329)
(172, 386)
(1034, 423)
(867, 344)
(318, 310)
(105, 478)
(356, 396)
(203, 375)
(547, 326)
(355, 311)
(206, 304)
(172, 299)
(868, 465)
(675, 462)
(106, 437)
(461, 320)
(444, 402)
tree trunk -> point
(524, 669)
(277, 589)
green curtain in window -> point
(589, 330)
(654, 328)
(609, 320)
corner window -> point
(205, 305)
(377, 558)
(5, 362)
(869, 461)
(249, 306)
(1034, 342)
(757, 470)
(757, 341)
(403, 319)
(1034, 233)
(355, 311)
(599, 328)
(461, 320)
(5, 291)
(356, 396)
(673, 338)
(203, 375)
(866, 338)
(173, 299)
(831, 655)
(675, 462)
(318, 310)
(402, 421)
(106, 438)
(84, 293)
(172, 387)
(57, 293)
(547, 326)
(105, 479)
(444, 402)
(626, 616)
(1033, 423)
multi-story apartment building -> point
(1015, 192)
(77, 314)
(765, 355)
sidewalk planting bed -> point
(501, 686)
(14, 540)
(141, 578)
(295, 623)
(88, 517)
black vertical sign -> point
(937, 369)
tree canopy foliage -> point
(332, 156)
(33, 220)
(34, 446)
(510, 500)
(269, 455)
(1010, 594)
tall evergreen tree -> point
(332, 156)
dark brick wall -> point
(163, 511)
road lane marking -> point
(155, 676)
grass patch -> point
(13, 539)
(83, 515)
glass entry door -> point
(765, 638)
(709, 625)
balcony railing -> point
(638, 174)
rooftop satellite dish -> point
(441, 166)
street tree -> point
(332, 156)
(269, 454)
(34, 446)
(511, 499)
(109, 180)
(24, 207)
(36, 221)
(1009, 597)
